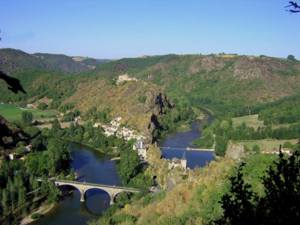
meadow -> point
(250, 121)
(266, 145)
(14, 113)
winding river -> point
(91, 166)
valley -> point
(241, 107)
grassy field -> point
(14, 113)
(266, 145)
(250, 121)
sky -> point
(131, 28)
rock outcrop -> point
(159, 105)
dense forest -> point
(24, 184)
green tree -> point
(129, 162)
(53, 193)
(281, 203)
(4, 201)
(42, 106)
(237, 204)
(291, 57)
(256, 149)
(27, 117)
(21, 197)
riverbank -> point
(42, 210)
(96, 166)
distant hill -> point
(15, 61)
(224, 84)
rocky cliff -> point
(138, 103)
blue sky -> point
(129, 28)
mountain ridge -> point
(15, 60)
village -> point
(120, 131)
(113, 128)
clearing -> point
(266, 145)
(250, 121)
(14, 113)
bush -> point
(142, 99)
(256, 149)
(42, 106)
(32, 131)
(288, 145)
(36, 216)
(124, 218)
(27, 117)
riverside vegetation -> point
(171, 90)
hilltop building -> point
(124, 78)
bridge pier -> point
(112, 198)
(82, 195)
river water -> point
(184, 139)
(90, 167)
(93, 167)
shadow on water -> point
(96, 201)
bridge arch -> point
(83, 187)
(101, 190)
(125, 194)
(81, 191)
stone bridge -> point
(189, 149)
(83, 187)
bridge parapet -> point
(189, 149)
(83, 187)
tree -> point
(21, 197)
(129, 161)
(42, 106)
(4, 201)
(56, 125)
(27, 117)
(256, 149)
(237, 204)
(281, 203)
(53, 193)
(291, 58)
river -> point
(185, 139)
(91, 166)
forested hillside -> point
(223, 83)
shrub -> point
(42, 106)
(36, 216)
